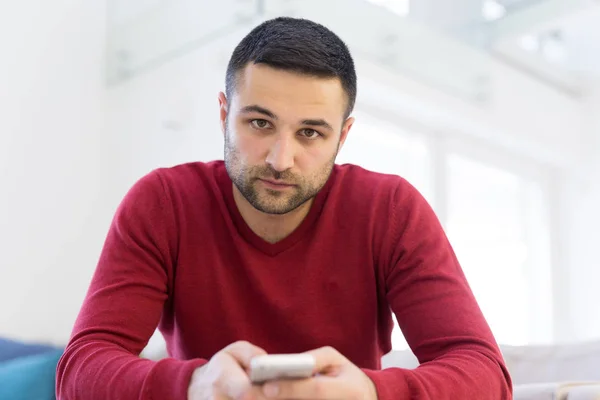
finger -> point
(327, 359)
(317, 388)
(255, 393)
(243, 352)
(232, 380)
(250, 393)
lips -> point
(276, 183)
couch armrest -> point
(585, 392)
(557, 391)
(537, 391)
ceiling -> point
(555, 40)
(558, 41)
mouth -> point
(276, 184)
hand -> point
(224, 376)
(337, 378)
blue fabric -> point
(29, 378)
(10, 349)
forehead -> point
(290, 93)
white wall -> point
(523, 115)
(170, 114)
(580, 196)
(54, 162)
(71, 148)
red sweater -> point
(179, 255)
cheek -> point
(239, 136)
(315, 157)
(250, 148)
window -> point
(496, 224)
(496, 218)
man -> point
(278, 250)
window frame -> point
(442, 144)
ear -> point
(223, 111)
(345, 130)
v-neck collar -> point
(272, 249)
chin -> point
(270, 207)
(275, 206)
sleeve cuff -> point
(170, 378)
(389, 383)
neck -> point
(270, 227)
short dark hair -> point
(298, 45)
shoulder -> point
(384, 209)
(161, 187)
(362, 186)
(194, 181)
(381, 201)
(188, 174)
(390, 202)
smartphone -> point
(281, 366)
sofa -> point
(557, 372)
(553, 372)
(27, 370)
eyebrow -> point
(317, 122)
(261, 110)
(257, 109)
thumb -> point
(243, 352)
(233, 383)
(327, 359)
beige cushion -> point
(587, 392)
(557, 391)
(560, 363)
(536, 391)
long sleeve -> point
(438, 315)
(123, 306)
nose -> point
(281, 154)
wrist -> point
(194, 385)
(371, 393)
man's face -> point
(282, 134)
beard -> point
(247, 180)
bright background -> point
(490, 108)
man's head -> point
(290, 89)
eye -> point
(310, 133)
(259, 123)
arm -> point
(123, 306)
(437, 313)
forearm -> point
(96, 370)
(123, 307)
(463, 374)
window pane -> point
(491, 215)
